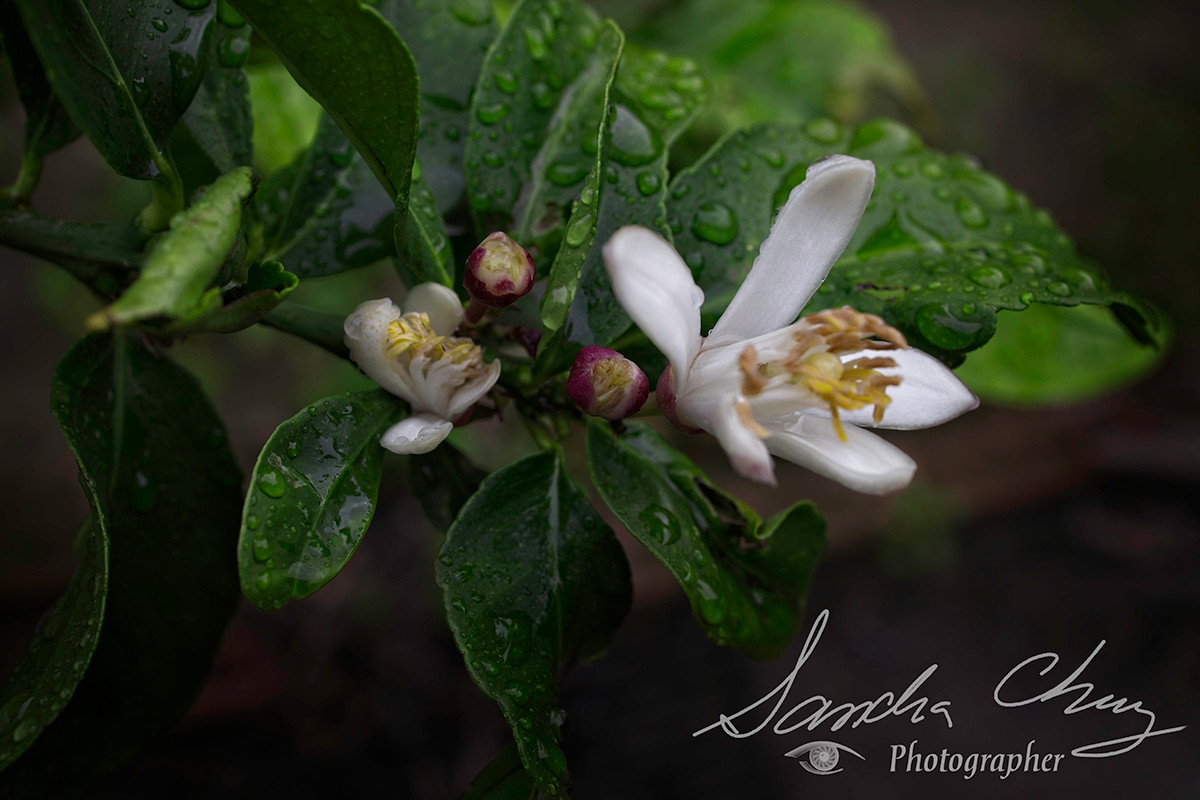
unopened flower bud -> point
(499, 272)
(606, 384)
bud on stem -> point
(499, 272)
(606, 384)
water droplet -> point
(661, 524)
(535, 43)
(543, 95)
(903, 170)
(517, 693)
(1079, 278)
(193, 4)
(233, 51)
(471, 12)
(505, 81)
(884, 136)
(648, 183)
(932, 170)
(944, 329)
(710, 605)
(971, 213)
(159, 24)
(1059, 288)
(825, 131)
(263, 581)
(580, 229)
(293, 449)
(263, 549)
(143, 494)
(715, 222)
(251, 522)
(989, 277)
(1027, 297)
(968, 309)
(271, 483)
(566, 173)
(633, 143)
(492, 113)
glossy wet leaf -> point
(423, 249)
(745, 577)
(312, 496)
(443, 480)
(942, 247)
(285, 118)
(59, 652)
(161, 480)
(503, 779)
(665, 92)
(124, 71)
(533, 581)
(431, 31)
(321, 328)
(182, 263)
(220, 118)
(267, 285)
(99, 254)
(1052, 354)
(529, 79)
(48, 127)
(352, 61)
(793, 61)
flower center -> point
(814, 365)
(412, 334)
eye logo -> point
(822, 758)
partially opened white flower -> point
(414, 356)
(763, 382)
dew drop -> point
(648, 183)
(971, 213)
(714, 222)
(989, 277)
(825, 131)
(272, 485)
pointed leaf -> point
(312, 496)
(220, 118)
(533, 580)
(746, 578)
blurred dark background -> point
(1027, 530)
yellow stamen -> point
(412, 334)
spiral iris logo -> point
(822, 757)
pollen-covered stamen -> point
(847, 330)
(412, 334)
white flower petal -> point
(366, 331)
(417, 434)
(442, 305)
(469, 394)
(928, 395)
(864, 462)
(809, 234)
(746, 450)
(656, 289)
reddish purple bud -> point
(499, 271)
(606, 384)
(664, 394)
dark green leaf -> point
(183, 262)
(444, 480)
(942, 247)
(59, 652)
(125, 71)
(746, 578)
(350, 59)
(548, 52)
(267, 285)
(464, 28)
(157, 469)
(796, 60)
(502, 779)
(533, 579)
(99, 254)
(47, 125)
(219, 117)
(1051, 354)
(312, 496)
(424, 252)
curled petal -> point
(929, 394)
(656, 289)
(442, 305)
(809, 234)
(742, 443)
(366, 331)
(864, 462)
(469, 393)
(417, 434)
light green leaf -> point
(312, 496)
(745, 577)
(533, 580)
(267, 285)
(183, 262)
